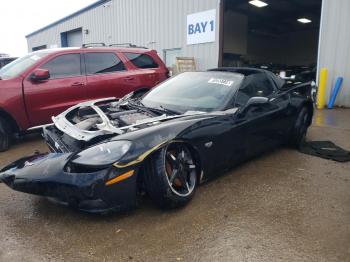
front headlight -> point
(102, 154)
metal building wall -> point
(334, 46)
(157, 24)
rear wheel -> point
(171, 176)
(5, 135)
(300, 128)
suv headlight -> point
(102, 154)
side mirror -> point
(254, 101)
(40, 75)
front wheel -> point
(171, 176)
(300, 128)
(5, 135)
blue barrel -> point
(335, 92)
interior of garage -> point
(269, 34)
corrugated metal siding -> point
(334, 52)
(141, 22)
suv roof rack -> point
(127, 45)
(93, 45)
(112, 45)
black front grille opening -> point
(59, 148)
(76, 168)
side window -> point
(253, 85)
(101, 63)
(141, 60)
(279, 82)
(64, 66)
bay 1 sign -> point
(201, 27)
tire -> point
(5, 135)
(164, 189)
(300, 128)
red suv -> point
(44, 83)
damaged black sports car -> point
(105, 153)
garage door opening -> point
(73, 38)
(278, 35)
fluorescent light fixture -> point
(304, 20)
(258, 3)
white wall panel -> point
(334, 52)
(157, 24)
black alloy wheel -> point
(171, 176)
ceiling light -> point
(258, 3)
(304, 20)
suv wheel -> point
(5, 135)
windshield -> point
(18, 66)
(194, 91)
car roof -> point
(246, 71)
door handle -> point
(128, 78)
(78, 84)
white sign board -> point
(201, 27)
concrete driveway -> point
(283, 206)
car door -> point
(264, 124)
(107, 76)
(64, 88)
(147, 70)
(227, 147)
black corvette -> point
(105, 153)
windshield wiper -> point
(166, 110)
(139, 106)
(160, 110)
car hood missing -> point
(92, 119)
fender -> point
(147, 141)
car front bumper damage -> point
(90, 190)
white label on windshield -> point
(35, 57)
(221, 81)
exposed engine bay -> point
(92, 117)
(90, 121)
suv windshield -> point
(194, 91)
(18, 66)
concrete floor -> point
(283, 206)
